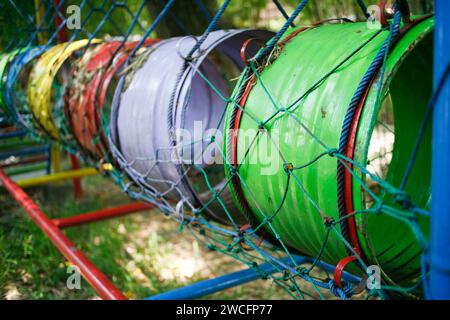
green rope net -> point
(306, 149)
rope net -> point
(305, 148)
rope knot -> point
(379, 208)
(328, 222)
(288, 167)
(232, 169)
(333, 152)
(244, 228)
(302, 271)
(404, 200)
(268, 219)
(265, 275)
(345, 293)
(262, 127)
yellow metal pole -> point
(56, 177)
(40, 11)
(55, 155)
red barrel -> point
(86, 94)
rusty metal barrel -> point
(163, 111)
(290, 179)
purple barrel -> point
(167, 120)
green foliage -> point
(245, 13)
(136, 252)
(14, 25)
(114, 20)
(248, 13)
(18, 20)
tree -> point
(184, 17)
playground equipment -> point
(307, 192)
(87, 93)
(317, 102)
(157, 148)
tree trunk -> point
(185, 17)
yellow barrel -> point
(40, 85)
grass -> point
(143, 254)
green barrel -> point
(5, 59)
(299, 207)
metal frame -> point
(53, 227)
(439, 255)
(92, 275)
(203, 288)
(36, 154)
(98, 281)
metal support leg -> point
(439, 258)
(77, 187)
(103, 214)
(206, 287)
(99, 282)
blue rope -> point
(365, 82)
(11, 79)
(280, 33)
(345, 293)
(130, 29)
(27, 17)
(174, 17)
(283, 12)
(203, 9)
(363, 7)
(429, 112)
(211, 27)
(380, 59)
(158, 19)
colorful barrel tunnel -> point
(112, 107)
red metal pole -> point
(77, 187)
(101, 214)
(8, 128)
(99, 282)
(63, 37)
(62, 34)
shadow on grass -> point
(143, 254)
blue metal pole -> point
(13, 134)
(23, 152)
(203, 288)
(49, 158)
(439, 255)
